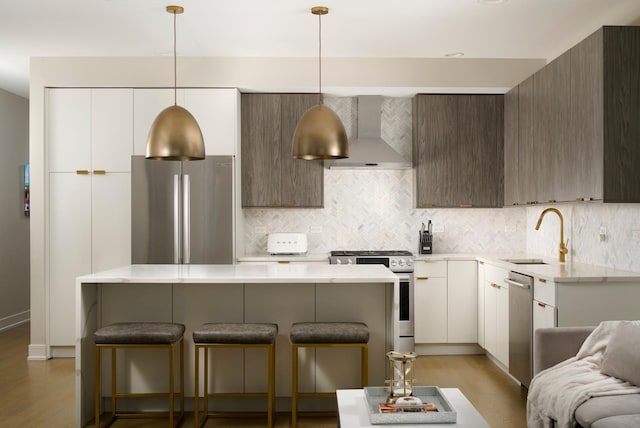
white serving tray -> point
(378, 394)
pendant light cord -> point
(175, 67)
(319, 59)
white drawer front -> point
(495, 274)
(544, 291)
(430, 268)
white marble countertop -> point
(552, 270)
(243, 273)
(318, 257)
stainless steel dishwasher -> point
(520, 326)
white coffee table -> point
(352, 411)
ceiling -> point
(286, 28)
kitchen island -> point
(197, 294)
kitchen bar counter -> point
(552, 270)
(243, 273)
(266, 292)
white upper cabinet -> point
(89, 129)
(215, 110)
(147, 104)
(68, 129)
(111, 129)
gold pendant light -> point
(175, 134)
(320, 134)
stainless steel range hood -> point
(369, 150)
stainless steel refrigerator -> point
(182, 212)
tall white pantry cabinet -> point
(91, 134)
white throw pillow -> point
(622, 357)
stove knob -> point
(401, 262)
(349, 261)
(338, 262)
(409, 262)
(393, 263)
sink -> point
(525, 261)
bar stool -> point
(141, 335)
(234, 335)
(326, 335)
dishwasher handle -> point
(517, 284)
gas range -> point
(396, 260)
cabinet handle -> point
(284, 262)
(480, 263)
(426, 206)
(542, 280)
(552, 201)
(82, 172)
(495, 285)
(273, 205)
(542, 305)
(289, 205)
(584, 199)
(422, 278)
(466, 205)
(99, 171)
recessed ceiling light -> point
(454, 54)
(491, 1)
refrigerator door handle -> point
(186, 219)
(176, 219)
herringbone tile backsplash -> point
(375, 209)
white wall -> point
(14, 226)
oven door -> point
(405, 312)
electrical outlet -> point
(260, 230)
(603, 233)
(438, 229)
(510, 228)
(635, 235)
(315, 229)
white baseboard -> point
(14, 320)
(63, 352)
(37, 353)
(448, 349)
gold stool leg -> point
(364, 364)
(206, 383)
(181, 378)
(171, 386)
(294, 386)
(113, 383)
(97, 399)
(196, 392)
(271, 401)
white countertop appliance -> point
(401, 263)
(287, 243)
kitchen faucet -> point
(563, 248)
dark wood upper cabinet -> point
(578, 124)
(511, 149)
(271, 177)
(458, 150)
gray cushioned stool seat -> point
(232, 333)
(329, 332)
(139, 333)
(620, 421)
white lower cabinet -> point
(496, 314)
(445, 301)
(544, 315)
(89, 231)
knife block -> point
(426, 243)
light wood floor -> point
(41, 393)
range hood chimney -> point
(369, 150)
